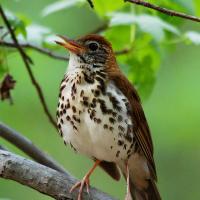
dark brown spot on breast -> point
(98, 121)
(96, 93)
(111, 128)
(117, 154)
(105, 126)
(72, 147)
(68, 118)
(74, 109)
(88, 79)
(57, 113)
(62, 87)
(67, 106)
(85, 103)
(115, 102)
(120, 118)
(121, 128)
(120, 142)
(102, 84)
(112, 120)
(85, 98)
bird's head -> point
(93, 50)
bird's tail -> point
(142, 185)
(151, 193)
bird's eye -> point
(93, 46)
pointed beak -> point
(71, 45)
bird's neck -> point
(77, 65)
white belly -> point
(99, 134)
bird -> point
(99, 115)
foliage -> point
(172, 110)
(129, 27)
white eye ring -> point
(93, 45)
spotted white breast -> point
(93, 115)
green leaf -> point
(102, 7)
(193, 37)
(141, 65)
(35, 33)
(20, 28)
(59, 5)
(197, 7)
(119, 36)
(147, 23)
(18, 23)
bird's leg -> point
(85, 181)
(128, 193)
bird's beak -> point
(71, 45)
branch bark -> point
(164, 10)
(26, 59)
(42, 178)
(28, 147)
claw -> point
(81, 185)
(84, 182)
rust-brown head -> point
(93, 50)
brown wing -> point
(142, 131)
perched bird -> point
(100, 115)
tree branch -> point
(90, 3)
(36, 48)
(50, 53)
(3, 148)
(28, 147)
(164, 10)
(123, 51)
(27, 60)
(42, 178)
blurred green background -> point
(172, 109)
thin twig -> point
(42, 178)
(123, 51)
(27, 60)
(7, 33)
(36, 48)
(90, 3)
(164, 10)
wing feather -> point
(141, 131)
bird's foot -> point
(81, 184)
(85, 181)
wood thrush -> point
(100, 115)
